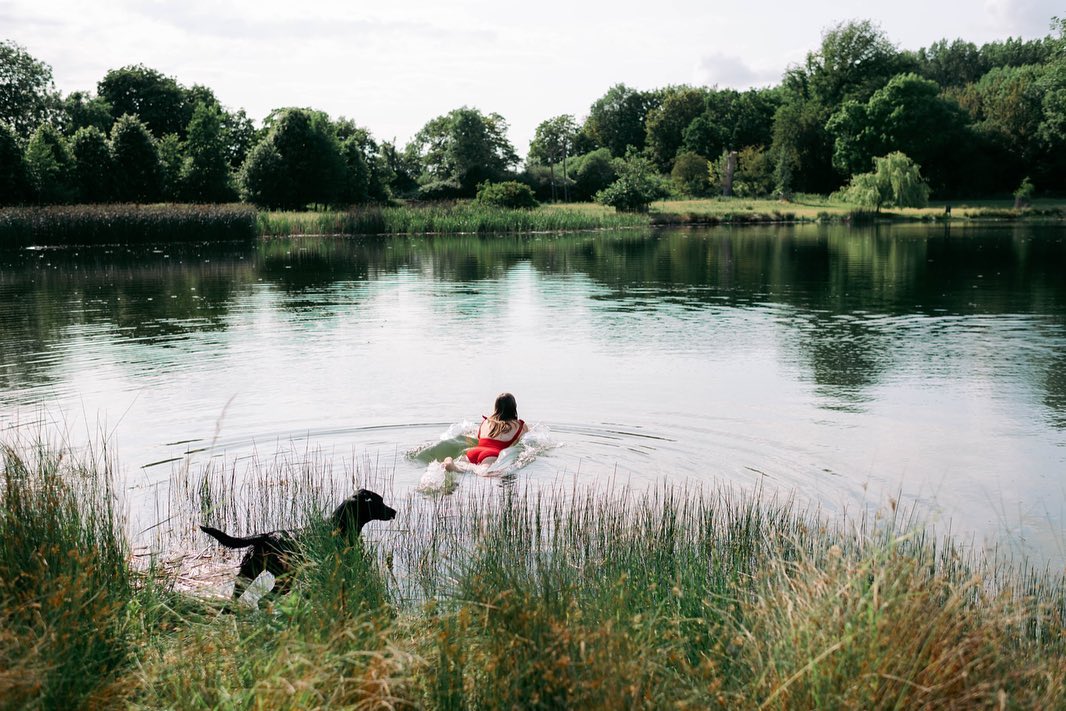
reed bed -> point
(124, 224)
(450, 218)
(514, 597)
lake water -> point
(850, 366)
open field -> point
(501, 598)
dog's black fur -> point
(274, 551)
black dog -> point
(274, 551)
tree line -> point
(978, 120)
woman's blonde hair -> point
(504, 412)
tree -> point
(171, 151)
(135, 158)
(157, 100)
(366, 172)
(637, 187)
(205, 173)
(80, 109)
(855, 60)
(754, 176)
(300, 165)
(27, 94)
(909, 115)
(14, 181)
(617, 119)
(690, 173)
(92, 164)
(896, 181)
(553, 142)
(459, 151)
(50, 166)
(593, 172)
(802, 148)
(667, 122)
(240, 135)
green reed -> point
(125, 224)
(504, 595)
(450, 218)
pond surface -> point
(850, 366)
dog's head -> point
(356, 511)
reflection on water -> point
(844, 363)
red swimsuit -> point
(487, 447)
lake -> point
(849, 366)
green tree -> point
(617, 119)
(366, 173)
(171, 151)
(593, 172)
(27, 94)
(896, 181)
(14, 180)
(553, 143)
(908, 114)
(690, 173)
(137, 176)
(50, 166)
(79, 109)
(92, 164)
(666, 123)
(637, 187)
(157, 100)
(754, 176)
(205, 174)
(460, 150)
(240, 135)
(802, 148)
(855, 59)
(303, 165)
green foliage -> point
(909, 115)
(690, 173)
(50, 166)
(79, 109)
(92, 164)
(667, 123)
(205, 173)
(896, 181)
(509, 194)
(802, 148)
(637, 187)
(754, 176)
(593, 172)
(1024, 194)
(855, 59)
(138, 174)
(14, 178)
(553, 142)
(157, 100)
(240, 136)
(297, 163)
(171, 152)
(365, 169)
(459, 151)
(616, 120)
(27, 94)
(732, 119)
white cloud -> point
(1027, 18)
(726, 71)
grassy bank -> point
(125, 224)
(502, 599)
(820, 208)
(458, 218)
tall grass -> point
(125, 224)
(457, 218)
(507, 597)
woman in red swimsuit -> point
(495, 434)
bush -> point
(895, 182)
(510, 194)
(1023, 196)
(637, 187)
(690, 173)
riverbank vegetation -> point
(975, 121)
(500, 597)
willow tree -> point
(896, 181)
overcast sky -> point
(394, 65)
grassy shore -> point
(125, 224)
(499, 598)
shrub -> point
(509, 193)
(690, 173)
(1024, 194)
(638, 185)
(896, 181)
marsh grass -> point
(125, 224)
(505, 596)
(447, 218)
